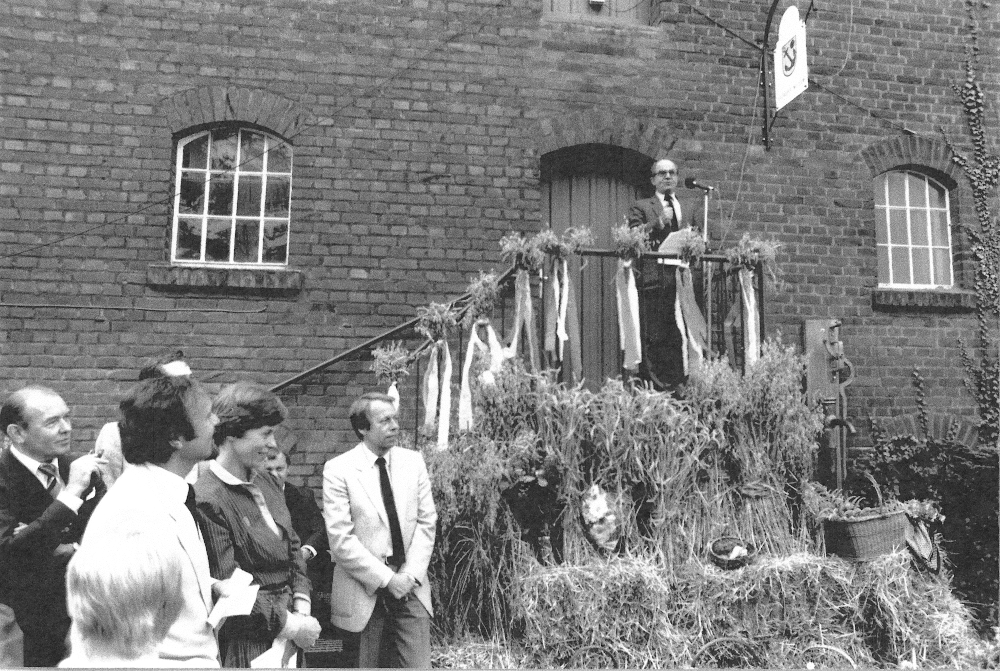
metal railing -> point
(717, 294)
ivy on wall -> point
(981, 168)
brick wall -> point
(418, 128)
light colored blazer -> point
(358, 529)
(147, 497)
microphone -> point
(692, 183)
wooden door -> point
(591, 188)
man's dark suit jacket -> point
(33, 579)
(307, 520)
(648, 212)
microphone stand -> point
(706, 270)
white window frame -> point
(264, 173)
(884, 211)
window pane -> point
(921, 266)
(881, 228)
(192, 194)
(918, 231)
(251, 151)
(880, 190)
(188, 239)
(900, 265)
(220, 194)
(195, 154)
(883, 264)
(897, 227)
(246, 241)
(942, 267)
(248, 201)
(277, 197)
(918, 190)
(224, 150)
(217, 242)
(937, 195)
(275, 242)
(279, 156)
(897, 195)
(939, 228)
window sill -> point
(600, 22)
(269, 280)
(941, 300)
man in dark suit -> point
(661, 215)
(41, 496)
(307, 520)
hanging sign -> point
(791, 72)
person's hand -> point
(303, 630)
(64, 550)
(224, 588)
(21, 526)
(80, 472)
(401, 584)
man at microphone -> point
(661, 215)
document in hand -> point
(239, 600)
(674, 244)
(281, 655)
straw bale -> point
(779, 612)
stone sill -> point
(271, 280)
(941, 300)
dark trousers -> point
(662, 357)
(398, 635)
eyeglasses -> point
(664, 172)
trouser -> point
(398, 635)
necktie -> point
(50, 471)
(676, 207)
(398, 553)
(190, 501)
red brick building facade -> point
(409, 136)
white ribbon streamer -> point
(751, 326)
(523, 316)
(628, 315)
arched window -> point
(232, 202)
(913, 231)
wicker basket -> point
(866, 538)
(719, 549)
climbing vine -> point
(982, 171)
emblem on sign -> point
(788, 56)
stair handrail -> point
(382, 337)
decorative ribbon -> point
(690, 321)
(495, 352)
(524, 315)
(393, 393)
(751, 326)
(438, 408)
(628, 315)
(558, 290)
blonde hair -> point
(122, 594)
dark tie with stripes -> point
(52, 473)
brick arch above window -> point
(595, 126)
(911, 150)
(219, 104)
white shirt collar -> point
(174, 486)
(32, 464)
(372, 456)
(225, 475)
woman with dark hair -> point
(246, 525)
